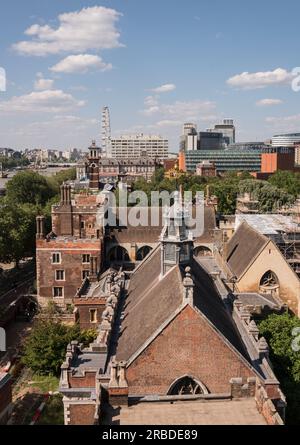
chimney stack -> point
(40, 227)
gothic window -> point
(143, 252)
(186, 386)
(269, 279)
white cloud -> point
(42, 84)
(189, 110)
(49, 101)
(90, 28)
(80, 63)
(2, 80)
(151, 101)
(261, 79)
(164, 88)
(295, 118)
(152, 110)
(268, 102)
(168, 123)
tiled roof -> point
(243, 247)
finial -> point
(187, 271)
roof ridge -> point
(146, 260)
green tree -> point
(55, 181)
(45, 349)
(9, 163)
(287, 181)
(29, 188)
(158, 175)
(17, 231)
(278, 331)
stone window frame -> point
(62, 291)
(52, 258)
(83, 258)
(63, 274)
(94, 317)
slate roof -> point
(151, 301)
(151, 234)
(243, 247)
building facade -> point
(227, 129)
(136, 146)
(181, 338)
(206, 169)
(225, 160)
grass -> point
(44, 383)
(53, 413)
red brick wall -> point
(87, 381)
(271, 162)
(71, 263)
(84, 314)
(82, 414)
(188, 346)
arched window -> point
(143, 252)
(269, 279)
(118, 253)
(187, 386)
(202, 251)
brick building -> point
(73, 249)
(171, 331)
(206, 169)
(98, 169)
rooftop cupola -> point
(94, 151)
(176, 239)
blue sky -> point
(156, 64)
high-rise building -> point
(227, 128)
(135, 146)
(189, 138)
(286, 140)
(210, 140)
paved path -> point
(231, 412)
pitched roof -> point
(150, 234)
(152, 300)
(209, 303)
(243, 247)
(149, 303)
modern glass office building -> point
(286, 140)
(225, 160)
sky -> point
(156, 64)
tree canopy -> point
(29, 187)
(45, 349)
(287, 181)
(17, 231)
(284, 342)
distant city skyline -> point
(156, 65)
